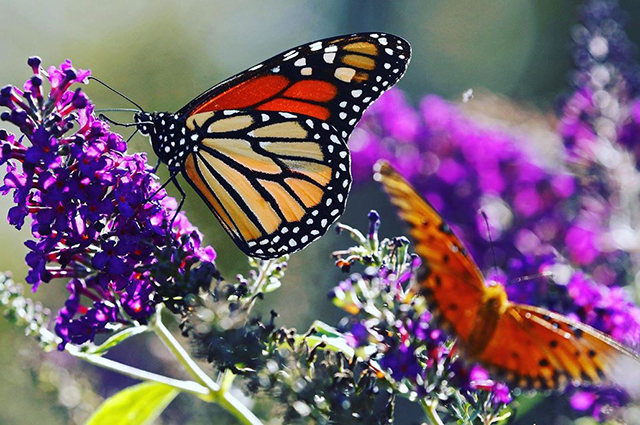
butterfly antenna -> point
(140, 109)
(103, 117)
(117, 110)
(493, 251)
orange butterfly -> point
(529, 346)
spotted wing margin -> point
(275, 181)
(334, 80)
(450, 279)
(538, 349)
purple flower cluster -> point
(598, 403)
(97, 215)
(389, 323)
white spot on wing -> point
(329, 57)
(345, 74)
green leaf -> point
(116, 339)
(136, 405)
(322, 328)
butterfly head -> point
(144, 122)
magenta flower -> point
(97, 216)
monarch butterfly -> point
(267, 149)
(529, 346)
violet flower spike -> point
(91, 216)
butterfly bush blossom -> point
(97, 215)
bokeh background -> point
(163, 53)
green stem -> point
(261, 280)
(227, 380)
(238, 410)
(181, 354)
(133, 372)
(218, 393)
(430, 409)
(186, 386)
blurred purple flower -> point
(97, 214)
(598, 402)
(402, 362)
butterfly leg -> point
(165, 184)
(155, 169)
(183, 195)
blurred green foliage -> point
(163, 53)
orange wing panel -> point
(295, 107)
(315, 90)
(246, 94)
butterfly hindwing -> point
(333, 80)
(276, 181)
(574, 350)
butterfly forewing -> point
(582, 352)
(333, 80)
(450, 279)
(276, 181)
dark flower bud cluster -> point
(314, 377)
(98, 217)
(222, 329)
(322, 386)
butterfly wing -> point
(449, 277)
(537, 348)
(276, 181)
(333, 80)
(529, 346)
(272, 162)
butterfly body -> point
(531, 347)
(171, 140)
(267, 149)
